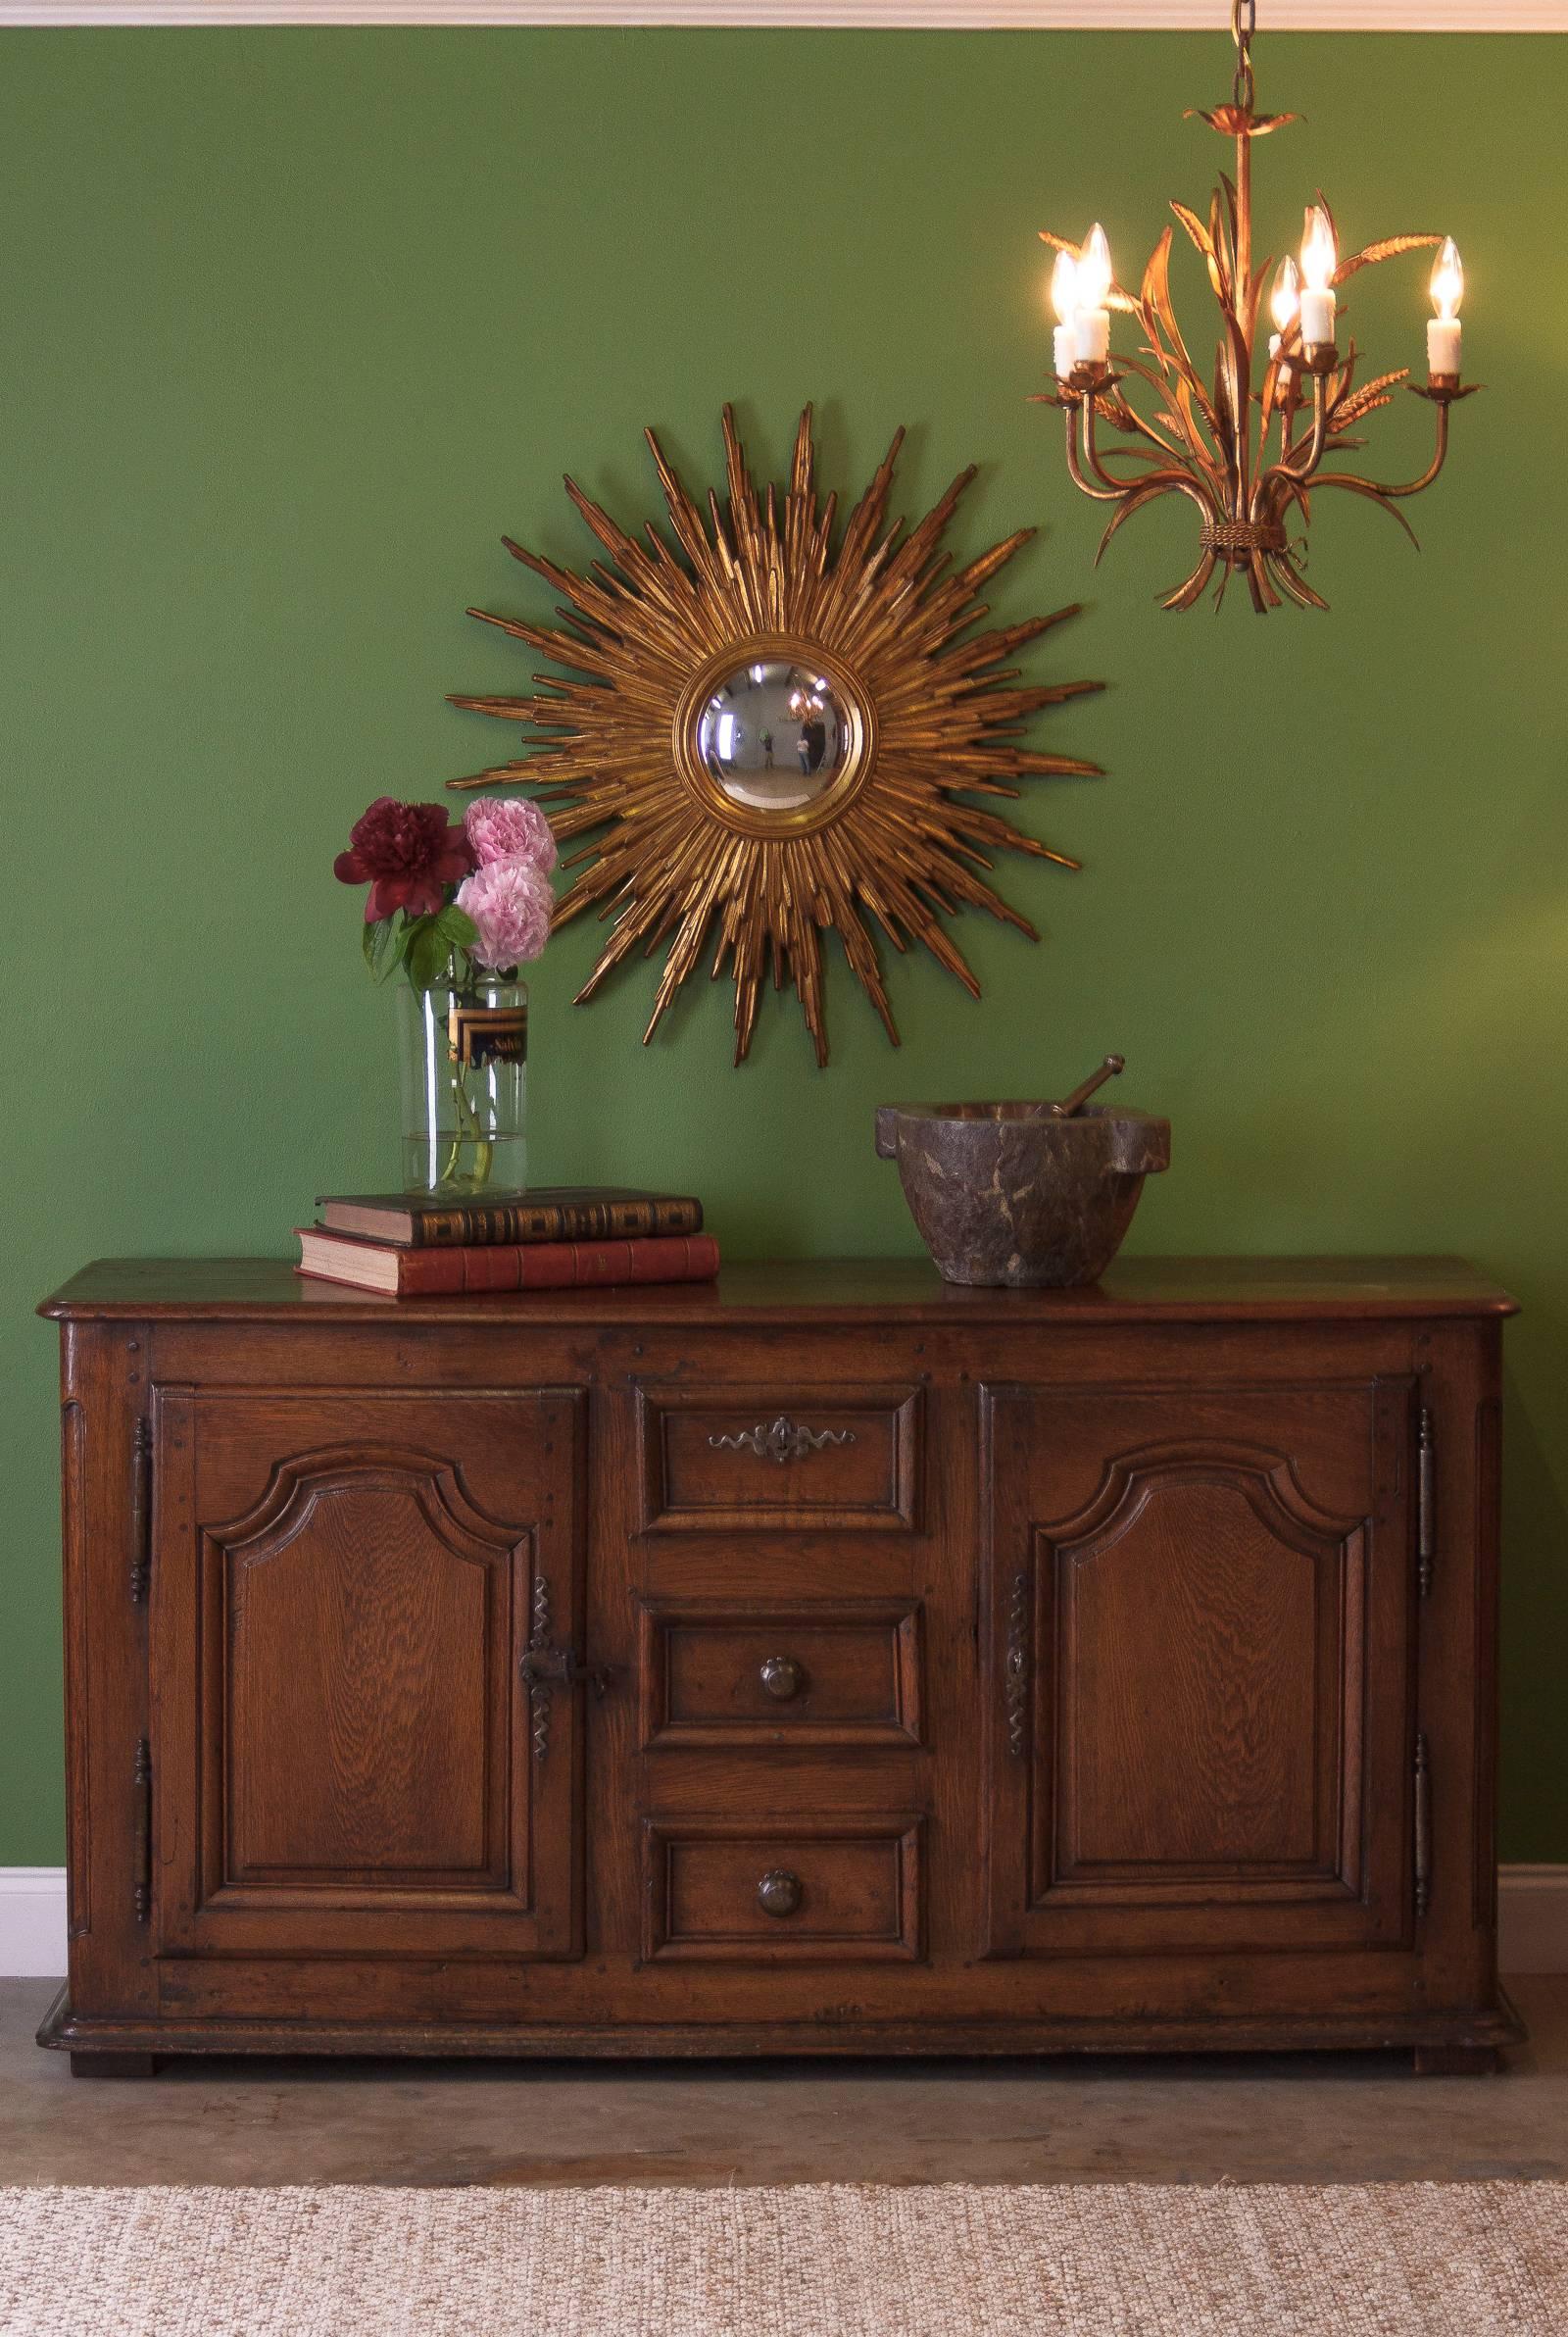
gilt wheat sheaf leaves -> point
(662, 857)
(1204, 439)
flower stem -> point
(467, 1131)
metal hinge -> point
(142, 1829)
(543, 1667)
(1425, 1504)
(141, 1511)
(1423, 1825)
(1016, 1665)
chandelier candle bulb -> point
(1444, 332)
(1064, 300)
(1319, 259)
(1285, 305)
(1091, 336)
(1092, 322)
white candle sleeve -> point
(1092, 335)
(1444, 340)
(1064, 344)
(1317, 319)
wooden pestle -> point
(1081, 1095)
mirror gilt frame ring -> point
(747, 819)
(891, 827)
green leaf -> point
(426, 950)
(380, 942)
(458, 926)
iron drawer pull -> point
(786, 1440)
(782, 1678)
(779, 1892)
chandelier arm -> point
(1116, 490)
(1341, 478)
(1304, 458)
(1175, 478)
(1092, 451)
(1198, 495)
(1180, 483)
(1300, 465)
(1290, 407)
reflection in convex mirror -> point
(773, 735)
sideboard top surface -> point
(821, 1289)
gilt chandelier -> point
(1250, 458)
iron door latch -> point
(542, 1667)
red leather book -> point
(329, 1257)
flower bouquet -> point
(458, 910)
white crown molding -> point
(1532, 1920)
(967, 15)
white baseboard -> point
(1532, 1920)
(33, 1922)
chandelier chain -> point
(1244, 24)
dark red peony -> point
(406, 854)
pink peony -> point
(510, 830)
(510, 902)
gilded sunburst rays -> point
(930, 717)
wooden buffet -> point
(832, 1660)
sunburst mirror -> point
(771, 731)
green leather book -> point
(546, 1214)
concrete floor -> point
(1338, 2117)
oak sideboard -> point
(828, 1661)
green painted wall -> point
(293, 325)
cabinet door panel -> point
(1189, 1593)
(344, 1755)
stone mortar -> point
(1010, 1195)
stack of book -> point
(551, 1238)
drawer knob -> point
(779, 1893)
(782, 1678)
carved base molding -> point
(1532, 1912)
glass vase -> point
(464, 1050)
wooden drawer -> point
(777, 1458)
(846, 1674)
(835, 1890)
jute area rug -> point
(1417, 2260)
